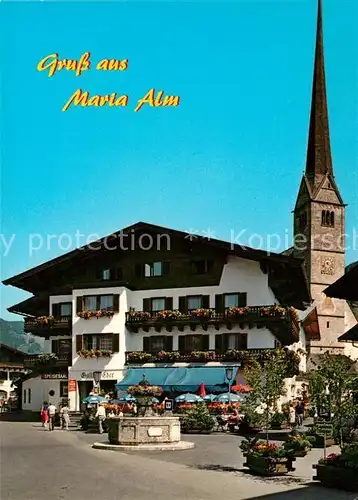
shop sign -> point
(105, 375)
(54, 376)
(72, 385)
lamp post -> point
(229, 372)
(97, 380)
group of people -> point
(297, 412)
(48, 416)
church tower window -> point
(327, 218)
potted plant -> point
(299, 444)
(267, 458)
(197, 420)
(339, 470)
(277, 420)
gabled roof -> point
(345, 287)
(287, 270)
(11, 350)
(350, 336)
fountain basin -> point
(143, 430)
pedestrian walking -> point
(44, 414)
(65, 416)
(51, 414)
(292, 415)
(101, 415)
(300, 409)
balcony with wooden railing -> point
(47, 362)
(283, 322)
(204, 356)
(228, 356)
(48, 325)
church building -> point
(319, 219)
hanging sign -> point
(72, 385)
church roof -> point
(319, 157)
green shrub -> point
(198, 418)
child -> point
(44, 414)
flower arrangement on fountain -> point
(101, 313)
(144, 394)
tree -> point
(332, 384)
(266, 377)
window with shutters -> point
(106, 274)
(63, 389)
(231, 299)
(237, 341)
(158, 343)
(103, 342)
(106, 302)
(234, 300)
(195, 302)
(90, 302)
(153, 269)
(65, 310)
(193, 342)
(158, 304)
(201, 266)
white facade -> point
(37, 390)
(239, 276)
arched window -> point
(327, 218)
(332, 219)
(323, 221)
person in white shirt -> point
(51, 416)
(101, 415)
(65, 417)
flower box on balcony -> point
(201, 313)
(94, 353)
(102, 313)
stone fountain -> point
(146, 430)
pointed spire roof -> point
(319, 158)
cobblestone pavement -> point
(37, 464)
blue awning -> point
(179, 379)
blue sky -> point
(230, 157)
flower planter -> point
(337, 477)
(268, 466)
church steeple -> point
(319, 158)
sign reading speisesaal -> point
(53, 64)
